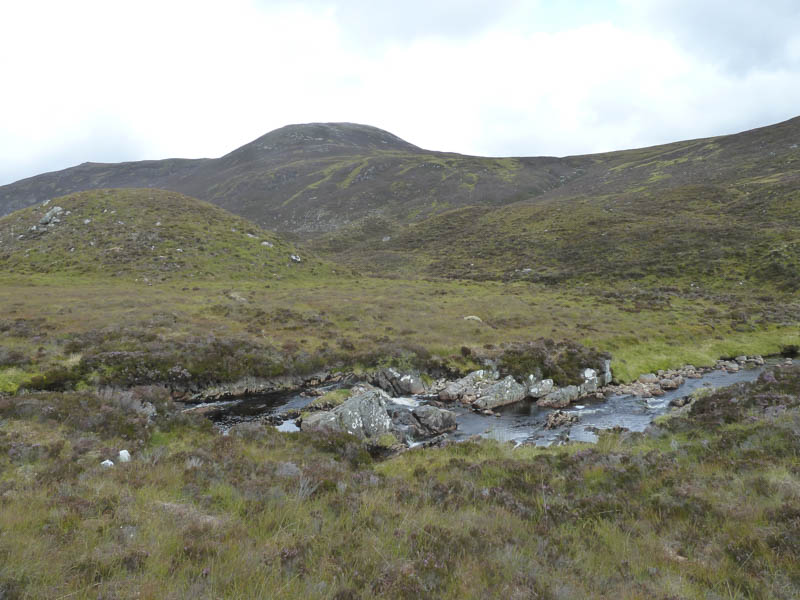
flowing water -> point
(523, 422)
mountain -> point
(721, 209)
(148, 234)
(316, 177)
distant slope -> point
(147, 234)
(726, 236)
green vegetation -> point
(705, 506)
(330, 399)
(150, 235)
(129, 298)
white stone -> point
(106, 463)
(124, 456)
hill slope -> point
(152, 234)
(318, 177)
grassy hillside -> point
(742, 234)
(149, 235)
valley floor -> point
(294, 326)
(703, 506)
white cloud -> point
(108, 81)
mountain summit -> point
(328, 138)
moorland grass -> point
(703, 507)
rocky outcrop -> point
(484, 392)
(363, 415)
(504, 392)
(467, 388)
(539, 389)
(422, 422)
(399, 384)
(560, 397)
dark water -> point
(520, 423)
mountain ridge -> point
(315, 178)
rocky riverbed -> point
(400, 408)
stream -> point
(521, 423)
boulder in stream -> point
(560, 397)
(422, 423)
(399, 384)
(466, 387)
(363, 415)
(559, 418)
(505, 391)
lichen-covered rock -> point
(561, 397)
(399, 384)
(505, 391)
(421, 423)
(434, 420)
(363, 415)
(466, 386)
(590, 382)
(539, 389)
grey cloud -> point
(740, 36)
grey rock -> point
(421, 423)
(506, 391)
(560, 397)
(363, 415)
(559, 418)
(466, 386)
(398, 383)
(538, 389)
(322, 421)
(590, 382)
(606, 377)
(435, 420)
(50, 216)
(648, 378)
(671, 384)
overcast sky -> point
(112, 80)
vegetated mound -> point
(152, 234)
